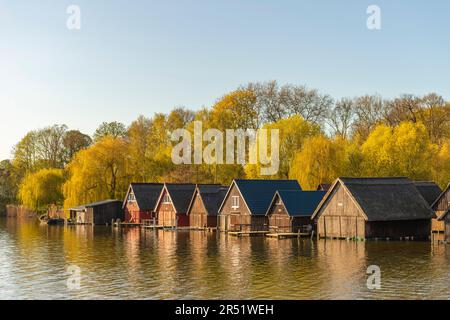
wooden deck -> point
(289, 235)
(247, 233)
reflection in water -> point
(145, 264)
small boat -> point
(50, 221)
(55, 221)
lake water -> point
(146, 264)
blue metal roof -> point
(301, 203)
(259, 193)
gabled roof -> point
(180, 194)
(93, 204)
(212, 196)
(442, 217)
(429, 190)
(298, 203)
(323, 187)
(443, 193)
(383, 199)
(257, 194)
(146, 194)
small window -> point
(278, 202)
(166, 199)
(235, 202)
(131, 197)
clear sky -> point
(140, 57)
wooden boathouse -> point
(373, 208)
(204, 205)
(140, 202)
(445, 218)
(172, 205)
(97, 213)
(291, 211)
(440, 207)
(429, 190)
(245, 205)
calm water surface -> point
(135, 264)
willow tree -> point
(321, 160)
(403, 150)
(98, 173)
(293, 132)
(41, 189)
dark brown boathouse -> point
(97, 213)
(373, 208)
(291, 211)
(204, 206)
(440, 207)
(245, 205)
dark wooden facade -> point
(245, 205)
(440, 206)
(98, 213)
(291, 211)
(445, 218)
(204, 206)
(373, 208)
(281, 222)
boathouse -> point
(97, 213)
(291, 211)
(440, 207)
(429, 190)
(323, 187)
(140, 202)
(445, 218)
(245, 205)
(172, 205)
(373, 208)
(204, 205)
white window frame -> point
(235, 202)
(166, 199)
(131, 197)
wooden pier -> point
(247, 233)
(288, 235)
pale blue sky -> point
(141, 57)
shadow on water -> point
(145, 264)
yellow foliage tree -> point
(98, 173)
(41, 189)
(441, 167)
(293, 132)
(321, 160)
(404, 150)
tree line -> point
(321, 138)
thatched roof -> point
(443, 194)
(383, 199)
(429, 190)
